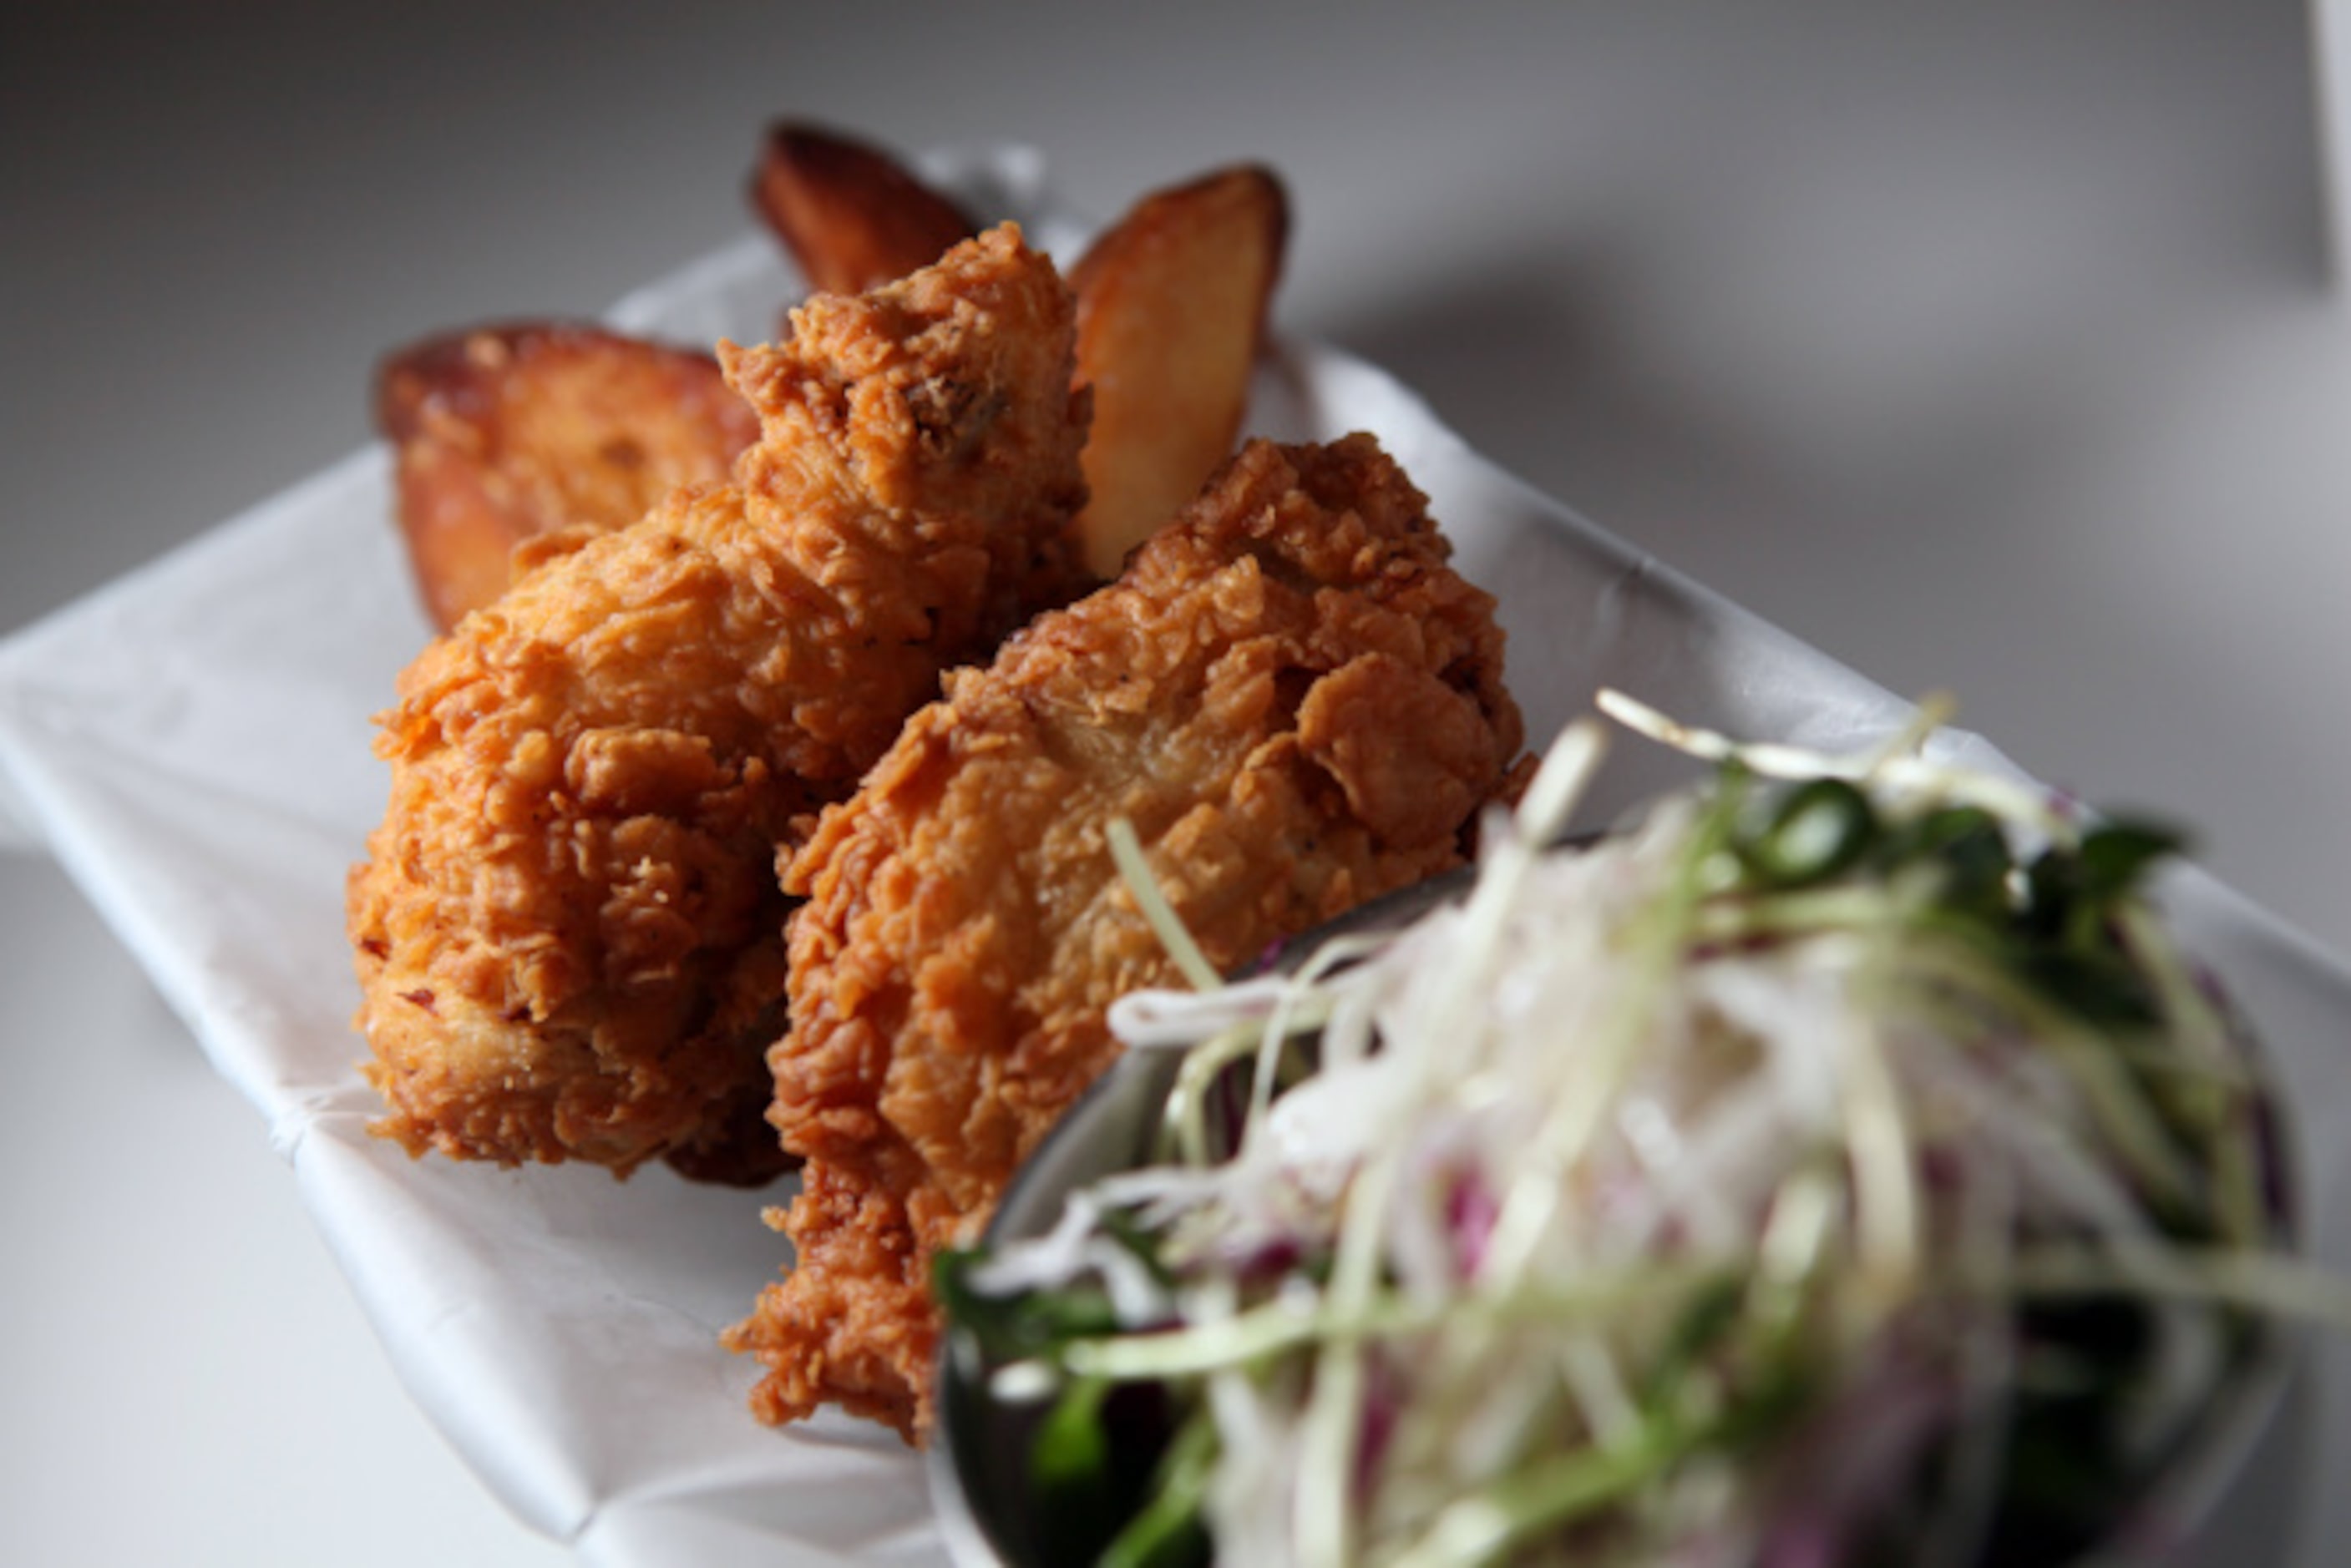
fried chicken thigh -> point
(1297, 704)
(569, 929)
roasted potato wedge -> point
(852, 215)
(503, 434)
(1172, 303)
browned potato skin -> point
(504, 434)
(1172, 303)
(853, 216)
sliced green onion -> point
(1820, 829)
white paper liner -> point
(192, 744)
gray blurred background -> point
(1990, 346)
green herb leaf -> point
(2117, 855)
(1071, 1453)
(1020, 1327)
(1969, 851)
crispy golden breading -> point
(569, 929)
(1296, 702)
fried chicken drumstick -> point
(568, 930)
(1297, 704)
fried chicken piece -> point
(569, 929)
(1296, 703)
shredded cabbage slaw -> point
(1820, 1170)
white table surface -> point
(1993, 350)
